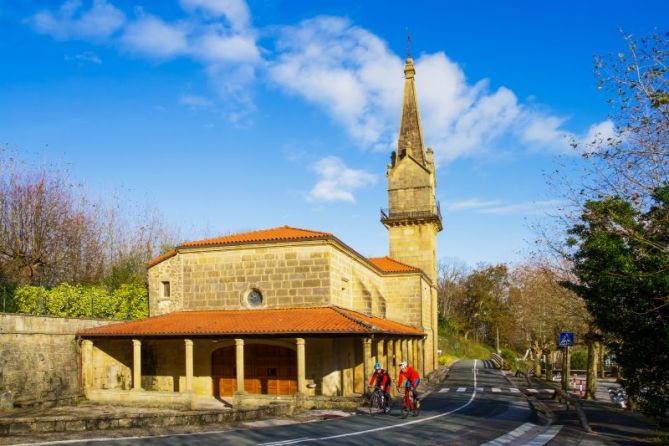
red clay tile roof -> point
(264, 235)
(388, 265)
(289, 321)
(160, 258)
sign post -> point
(565, 341)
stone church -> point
(283, 313)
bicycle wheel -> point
(374, 403)
(405, 406)
(416, 407)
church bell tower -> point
(413, 217)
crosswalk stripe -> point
(479, 389)
(545, 437)
(462, 389)
(514, 390)
(509, 437)
(444, 390)
(496, 389)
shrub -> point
(579, 360)
(129, 301)
(509, 357)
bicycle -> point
(377, 402)
(409, 403)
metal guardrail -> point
(498, 360)
(429, 213)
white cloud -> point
(221, 40)
(498, 207)
(348, 72)
(213, 47)
(472, 203)
(194, 102)
(236, 11)
(153, 37)
(337, 182)
(541, 207)
(72, 21)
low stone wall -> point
(39, 358)
(63, 423)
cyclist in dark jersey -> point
(382, 380)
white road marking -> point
(292, 441)
(532, 390)
(544, 437)
(462, 389)
(444, 390)
(479, 389)
(285, 442)
(496, 389)
(514, 390)
(383, 428)
(509, 437)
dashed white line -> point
(462, 389)
(496, 389)
(444, 390)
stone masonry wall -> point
(39, 358)
(286, 275)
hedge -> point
(128, 301)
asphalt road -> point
(474, 406)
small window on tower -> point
(165, 288)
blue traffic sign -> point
(566, 339)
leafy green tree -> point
(621, 262)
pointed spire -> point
(410, 141)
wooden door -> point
(268, 370)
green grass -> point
(454, 347)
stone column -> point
(301, 367)
(189, 364)
(239, 364)
(405, 351)
(381, 353)
(367, 365)
(416, 359)
(398, 357)
(410, 357)
(421, 357)
(390, 353)
(87, 364)
(136, 364)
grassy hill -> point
(454, 347)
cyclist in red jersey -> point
(412, 377)
(381, 379)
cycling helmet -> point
(403, 365)
(377, 366)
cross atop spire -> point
(410, 141)
(408, 44)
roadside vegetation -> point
(64, 254)
(602, 267)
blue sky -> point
(225, 115)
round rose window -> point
(254, 298)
